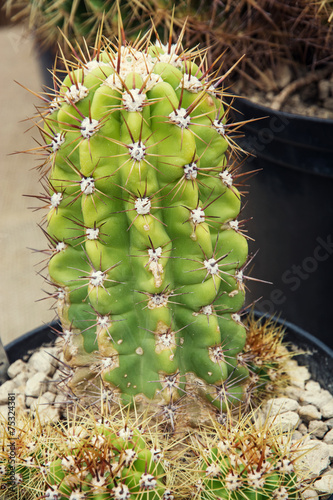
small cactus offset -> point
(147, 253)
(248, 459)
(115, 456)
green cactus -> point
(116, 456)
(146, 250)
(248, 459)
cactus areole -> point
(147, 252)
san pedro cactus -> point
(147, 254)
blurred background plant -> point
(282, 40)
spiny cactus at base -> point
(125, 455)
(116, 456)
(146, 251)
(246, 459)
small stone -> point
(29, 401)
(35, 384)
(302, 428)
(6, 388)
(309, 494)
(286, 422)
(43, 362)
(330, 447)
(313, 457)
(292, 392)
(297, 436)
(283, 75)
(277, 406)
(330, 423)
(317, 398)
(16, 368)
(20, 402)
(21, 378)
(328, 438)
(60, 403)
(313, 386)
(38, 403)
(48, 413)
(318, 428)
(324, 484)
(298, 374)
(49, 396)
(327, 409)
(309, 412)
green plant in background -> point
(50, 21)
(147, 255)
(273, 35)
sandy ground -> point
(21, 286)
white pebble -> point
(48, 414)
(292, 392)
(309, 495)
(280, 405)
(302, 428)
(16, 368)
(313, 386)
(298, 374)
(43, 362)
(314, 457)
(325, 484)
(330, 423)
(35, 384)
(49, 396)
(318, 398)
(327, 409)
(5, 389)
(21, 378)
(329, 437)
(318, 428)
(309, 412)
(286, 422)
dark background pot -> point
(291, 202)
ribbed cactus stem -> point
(147, 250)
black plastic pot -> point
(291, 202)
(21, 347)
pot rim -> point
(286, 114)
